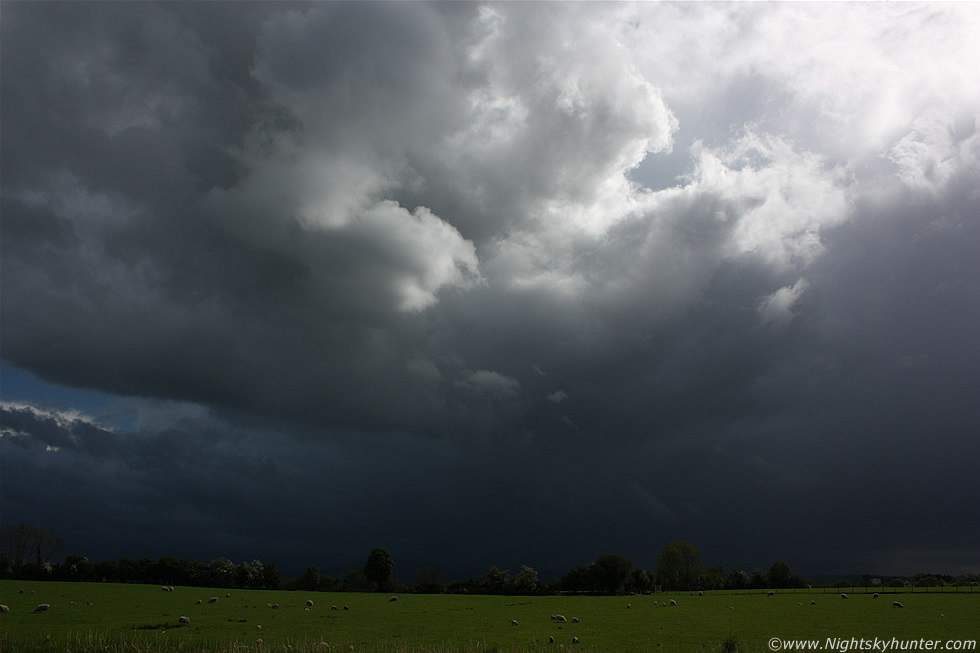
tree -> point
(780, 575)
(610, 572)
(311, 578)
(526, 581)
(379, 566)
(639, 581)
(738, 579)
(713, 578)
(679, 566)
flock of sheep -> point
(558, 618)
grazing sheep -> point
(258, 627)
(813, 602)
(875, 595)
(346, 607)
(843, 596)
(44, 607)
(673, 602)
(309, 602)
(629, 605)
(561, 618)
(184, 620)
(575, 640)
(199, 601)
(897, 604)
(333, 607)
(306, 609)
(551, 639)
(700, 593)
(228, 595)
(574, 620)
(213, 599)
(275, 606)
(513, 622)
(4, 609)
(771, 593)
(259, 641)
(394, 598)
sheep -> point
(44, 607)
(394, 598)
(673, 602)
(700, 593)
(309, 603)
(275, 606)
(551, 639)
(346, 607)
(258, 627)
(306, 609)
(333, 607)
(875, 595)
(771, 593)
(813, 602)
(574, 620)
(228, 595)
(561, 618)
(897, 604)
(843, 596)
(513, 622)
(575, 640)
(629, 605)
(259, 641)
(199, 601)
(213, 599)
(4, 609)
(184, 620)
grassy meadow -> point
(112, 617)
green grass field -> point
(110, 617)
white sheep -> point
(184, 620)
(574, 620)
(843, 596)
(513, 622)
(875, 595)
(575, 640)
(228, 595)
(44, 607)
(4, 609)
(673, 602)
(897, 604)
(551, 639)
(561, 618)
(258, 627)
(394, 598)
(771, 593)
(309, 602)
(333, 607)
(213, 599)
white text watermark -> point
(843, 645)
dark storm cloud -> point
(473, 277)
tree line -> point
(26, 553)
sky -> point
(493, 284)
